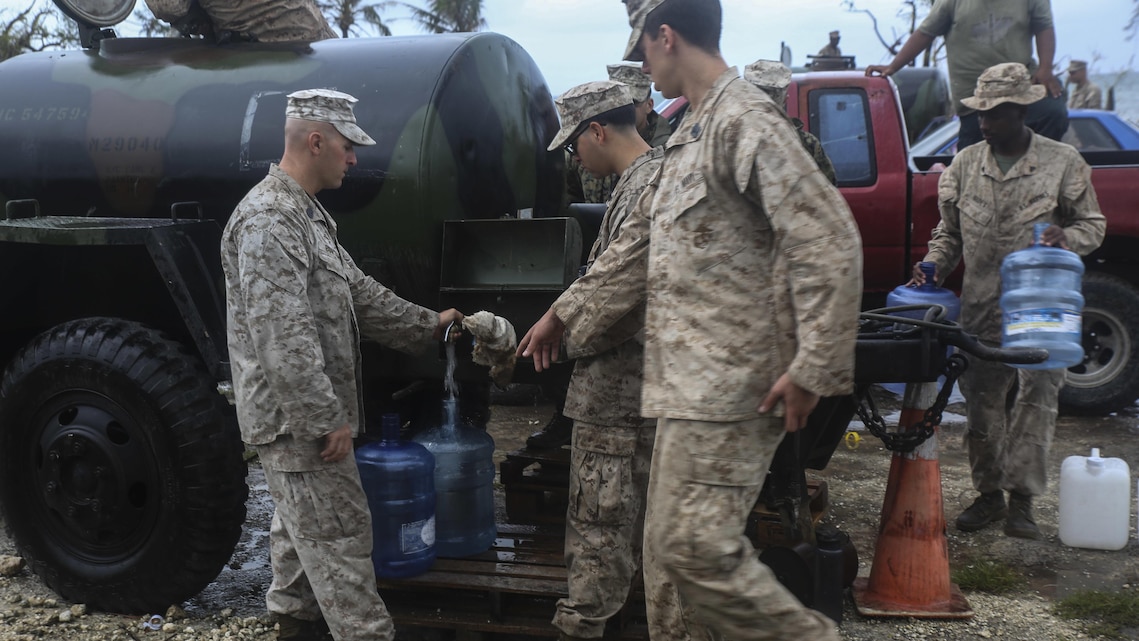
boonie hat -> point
(1077, 65)
(639, 82)
(584, 102)
(1006, 82)
(834, 34)
(638, 10)
(768, 74)
(326, 105)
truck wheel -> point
(122, 479)
(1108, 378)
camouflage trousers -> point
(1011, 415)
(704, 481)
(320, 545)
(609, 474)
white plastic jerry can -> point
(1095, 502)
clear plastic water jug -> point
(1095, 502)
(464, 485)
(928, 293)
(1041, 302)
(399, 481)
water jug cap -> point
(1094, 460)
(389, 427)
(930, 270)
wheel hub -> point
(93, 476)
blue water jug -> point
(464, 485)
(928, 293)
(1041, 302)
(399, 481)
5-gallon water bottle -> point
(399, 481)
(464, 485)
(1095, 502)
(1041, 302)
(928, 293)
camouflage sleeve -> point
(613, 287)
(815, 148)
(1080, 216)
(945, 243)
(630, 325)
(170, 10)
(386, 318)
(1095, 98)
(273, 264)
(817, 238)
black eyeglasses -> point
(571, 147)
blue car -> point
(1088, 130)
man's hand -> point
(879, 70)
(445, 319)
(917, 276)
(337, 445)
(543, 341)
(1043, 76)
(1054, 237)
(797, 403)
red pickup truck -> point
(894, 199)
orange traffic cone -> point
(910, 573)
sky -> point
(573, 40)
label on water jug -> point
(1041, 320)
(417, 536)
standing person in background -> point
(583, 186)
(1087, 94)
(296, 305)
(773, 78)
(753, 274)
(237, 20)
(980, 34)
(612, 443)
(990, 197)
(831, 50)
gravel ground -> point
(233, 608)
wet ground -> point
(856, 476)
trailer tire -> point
(1108, 378)
(123, 477)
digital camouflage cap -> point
(326, 105)
(1006, 82)
(639, 82)
(638, 11)
(584, 102)
(1077, 65)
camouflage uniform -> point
(296, 305)
(611, 448)
(272, 21)
(830, 50)
(984, 216)
(815, 148)
(1086, 96)
(583, 187)
(754, 270)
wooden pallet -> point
(510, 589)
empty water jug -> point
(928, 293)
(399, 481)
(1041, 302)
(464, 485)
(1095, 502)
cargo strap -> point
(907, 439)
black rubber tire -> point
(123, 479)
(1108, 378)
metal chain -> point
(907, 439)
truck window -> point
(1088, 134)
(841, 120)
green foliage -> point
(350, 17)
(988, 576)
(449, 16)
(1110, 614)
(37, 28)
